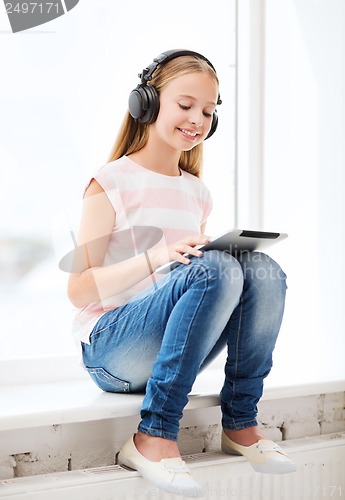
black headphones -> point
(143, 102)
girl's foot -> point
(263, 454)
(245, 437)
(155, 448)
(168, 473)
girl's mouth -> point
(189, 134)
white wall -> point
(303, 125)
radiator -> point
(320, 475)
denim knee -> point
(260, 268)
(221, 266)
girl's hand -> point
(179, 251)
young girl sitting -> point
(145, 332)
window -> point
(278, 152)
(64, 92)
(291, 171)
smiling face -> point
(187, 104)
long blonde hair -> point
(133, 136)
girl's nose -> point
(196, 118)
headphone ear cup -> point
(135, 103)
(214, 125)
(152, 105)
(143, 104)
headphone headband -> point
(166, 56)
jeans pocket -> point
(106, 381)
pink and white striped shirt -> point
(177, 206)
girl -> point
(141, 332)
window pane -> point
(64, 91)
(304, 183)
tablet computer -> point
(235, 242)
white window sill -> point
(39, 405)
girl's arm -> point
(94, 283)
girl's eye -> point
(186, 108)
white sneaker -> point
(169, 474)
(264, 456)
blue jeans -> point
(160, 340)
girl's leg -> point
(211, 291)
(251, 332)
(163, 336)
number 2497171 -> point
(32, 8)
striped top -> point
(169, 207)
